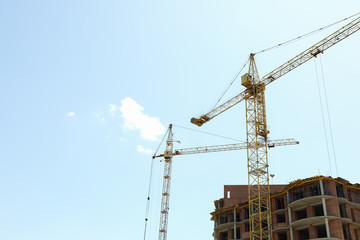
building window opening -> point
(238, 233)
(228, 194)
(223, 236)
(246, 213)
(327, 187)
(354, 196)
(282, 236)
(314, 189)
(279, 203)
(301, 214)
(319, 211)
(238, 219)
(280, 218)
(223, 219)
(342, 208)
(340, 190)
(346, 231)
(247, 227)
(221, 203)
(297, 194)
(304, 234)
(357, 235)
(321, 231)
(357, 196)
(350, 196)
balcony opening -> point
(300, 214)
(342, 208)
(223, 219)
(246, 213)
(346, 231)
(238, 219)
(223, 236)
(350, 196)
(282, 236)
(297, 193)
(238, 233)
(221, 203)
(304, 234)
(247, 227)
(321, 231)
(280, 217)
(340, 190)
(327, 188)
(314, 189)
(356, 235)
(354, 195)
(353, 215)
(279, 203)
(319, 210)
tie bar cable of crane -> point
(322, 115)
(216, 135)
(150, 185)
(328, 115)
(231, 83)
(306, 35)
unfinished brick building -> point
(317, 207)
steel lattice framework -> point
(229, 147)
(258, 174)
(168, 155)
(165, 199)
(290, 65)
(256, 127)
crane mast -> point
(169, 153)
(257, 155)
(165, 199)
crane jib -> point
(287, 67)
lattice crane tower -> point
(256, 127)
(168, 156)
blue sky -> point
(89, 87)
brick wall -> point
(356, 215)
(336, 229)
(332, 206)
(312, 232)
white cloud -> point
(71, 114)
(150, 127)
(113, 109)
(141, 149)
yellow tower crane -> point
(256, 127)
(168, 155)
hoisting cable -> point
(231, 83)
(216, 135)
(322, 114)
(328, 114)
(150, 184)
(306, 35)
